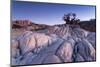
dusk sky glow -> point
(46, 13)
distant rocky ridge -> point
(29, 25)
(57, 44)
(89, 25)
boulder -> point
(65, 52)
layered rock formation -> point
(27, 25)
(58, 44)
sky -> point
(50, 14)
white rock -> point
(64, 43)
(14, 43)
(79, 58)
(65, 52)
(26, 58)
(13, 52)
(51, 59)
(13, 61)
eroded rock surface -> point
(64, 43)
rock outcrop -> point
(27, 25)
(59, 44)
(89, 25)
